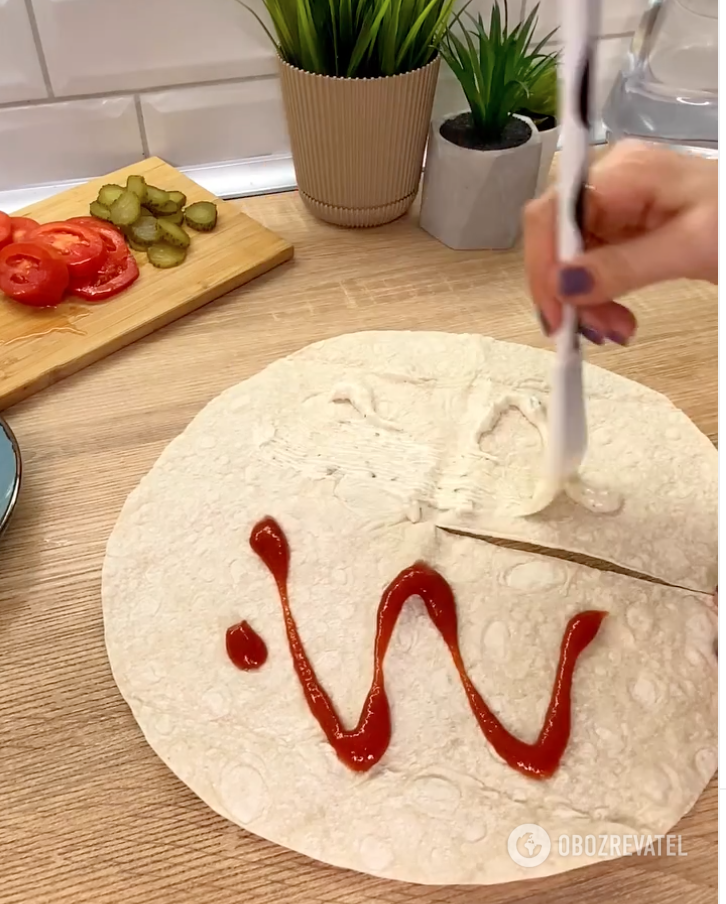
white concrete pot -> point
(473, 199)
(548, 141)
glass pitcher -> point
(667, 89)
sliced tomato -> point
(6, 229)
(113, 278)
(22, 227)
(111, 237)
(82, 249)
(33, 274)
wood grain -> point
(40, 347)
(88, 814)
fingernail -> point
(591, 335)
(618, 338)
(543, 323)
(575, 281)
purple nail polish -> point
(591, 335)
(617, 338)
(575, 281)
(543, 323)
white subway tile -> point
(189, 126)
(69, 140)
(449, 95)
(618, 17)
(94, 46)
(21, 77)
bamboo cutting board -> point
(39, 347)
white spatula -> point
(567, 425)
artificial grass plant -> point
(497, 68)
(357, 38)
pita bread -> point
(349, 444)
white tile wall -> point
(21, 77)
(188, 80)
(191, 126)
(618, 17)
(64, 141)
(127, 45)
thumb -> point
(607, 272)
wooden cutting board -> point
(40, 347)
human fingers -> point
(610, 271)
(609, 322)
(540, 254)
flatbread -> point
(348, 444)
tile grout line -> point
(140, 92)
(142, 126)
(39, 50)
(209, 83)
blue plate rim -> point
(5, 516)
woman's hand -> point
(651, 215)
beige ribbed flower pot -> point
(358, 144)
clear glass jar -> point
(667, 89)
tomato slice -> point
(113, 278)
(33, 274)
(6, 230)
(22, 227)
(82, 248)
(111, 237)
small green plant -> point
(496, 66)
(357, 38)
(541, 105)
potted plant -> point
(541, 108)
(358, 80)
(482, 164)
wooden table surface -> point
(88, 814)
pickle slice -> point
(126, 209)
(156, 198)
(177, 217)
(99, 211)
(179, 198)
(145, 231)
(166, 256)
(108, 194)
(166, 209)
(173, 234)
(201, 216)
(137, 185)
(135, 246)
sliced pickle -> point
(166, 256)
(100, 212)
(201, 216)
(108, 194)
(145, 231)
(156, 198)
(173, 234)
(137, 185)
(126, 209)
(179, 198)
(177, 217)
(136, 246)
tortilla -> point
(355, 446)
